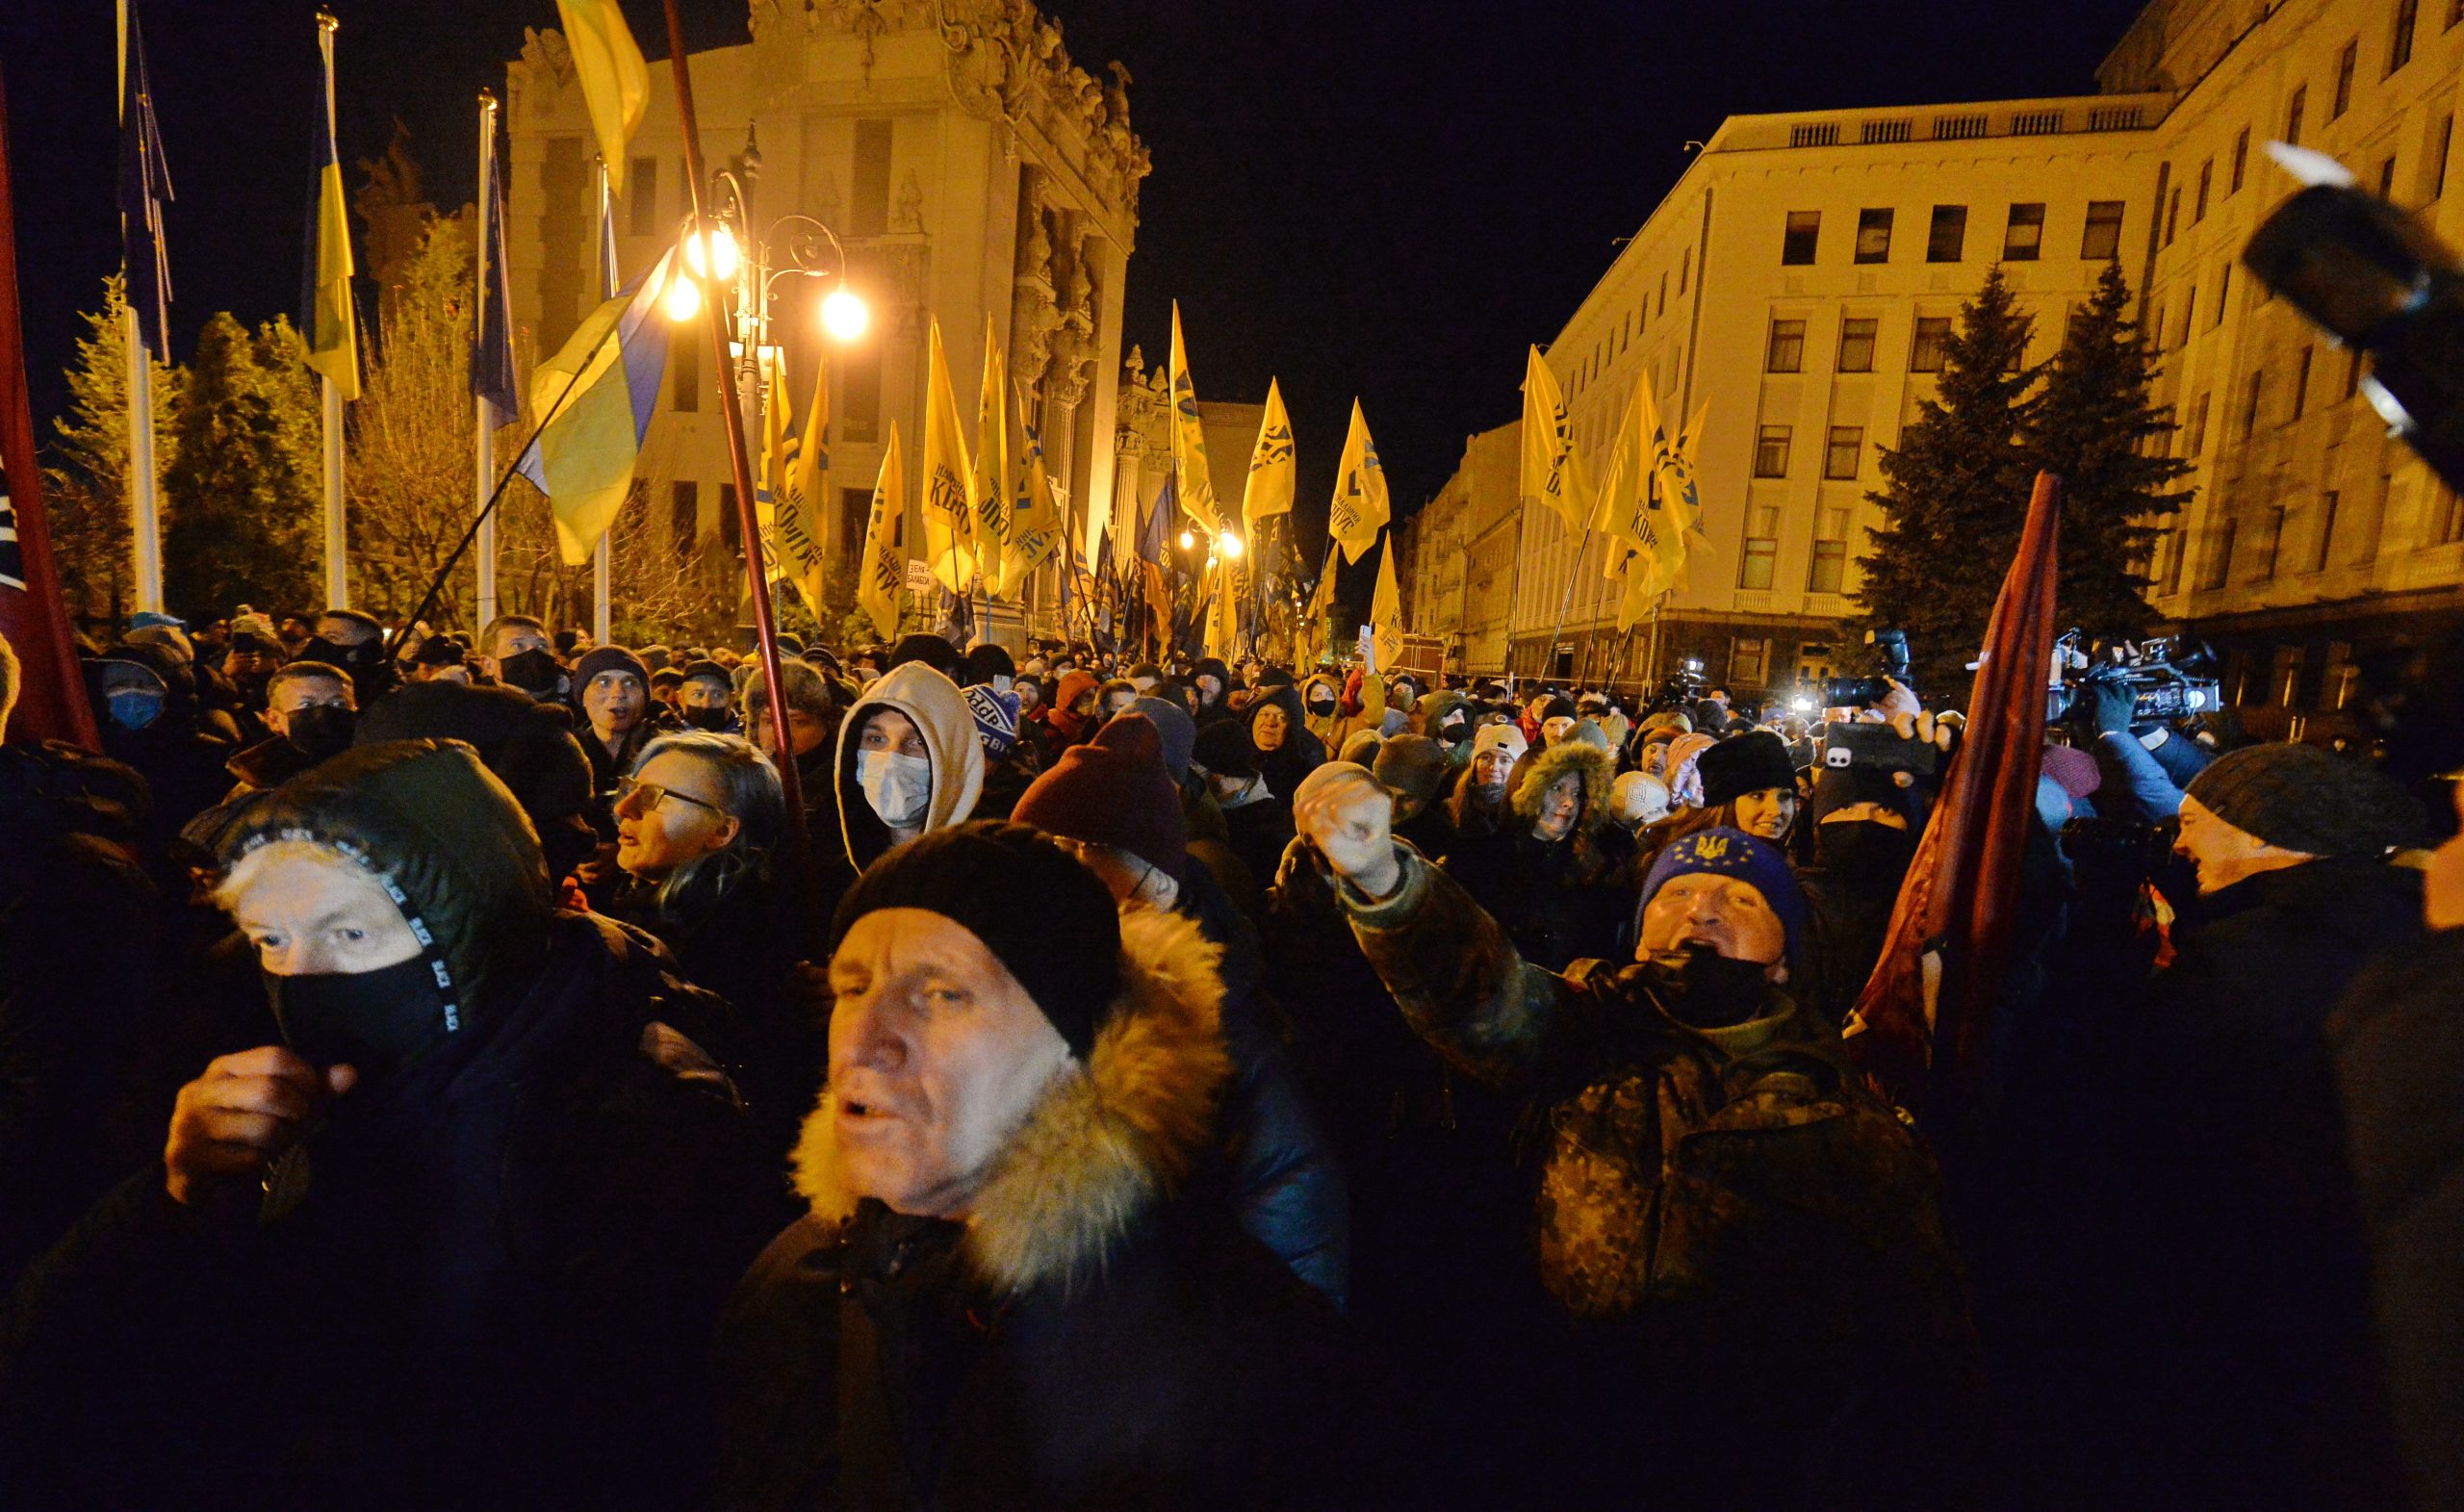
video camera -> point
(2160, 674)
(1684, 689)
(1865, 692)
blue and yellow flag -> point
(596, 397)
(325, 315)
(615, 80)
(145, 185)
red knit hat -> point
(1112, 790)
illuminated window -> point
(2025, 234)
(1771, 451)
(1932, 336)
(1843, 452)
(1786, 352)
(1805, 229)
(1873, 236)
(2103, 236)
(1949, 235)
(1857, 344)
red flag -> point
(1921, 1026)
(52, 705)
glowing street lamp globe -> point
(1231, 546)
(720, 260)
(843, 315)
(1188, 542)
(683, 300)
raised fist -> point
(1349, 821)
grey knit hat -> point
(2307, 799)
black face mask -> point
(322, 731)
(1322, 706)
(1867, 854)
(336, 654)
(1698, 986)
(534, 672)
(706, 718)
(375, 1021)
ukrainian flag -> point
(596, 397)
(326, 304)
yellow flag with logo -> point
(1273, 473)
(802, 493)
(1360, 508)
(949, 532)
(988, 487)
(1626, 508)
(1312, 635)
(884, 569)
(1681, 497)
(778, 454)
(1195, 488)
(1035, 519)
(1552, 472)
(615, 80)
(1386, 611)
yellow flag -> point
(778, 442)
(1273, 473)
(1223, 612)
(1196, 490)
(884, 569)
(1386, 611)
(1678, 500)
(1360, 506)
(987, 485)
(803, 488)
(333, 325)
(1035, 519)
(615, 82)
(949, 535)
(1552, 472)
(1626, 510)
(1313, 633)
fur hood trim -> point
(1110, 1136)
(1598, 767)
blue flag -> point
(492, 344)
(1155, 541)
(144, 188)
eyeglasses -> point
(652, 795)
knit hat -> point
(984, 662)
(2074, 768)
(1174, 727)
(1746, 764)
(438, 651)
(1040, 913)
(2307, 799)
(1360, 748)
(1671, 719)
(609, 658)
(1493, 738)
(1412, 764)
(1589, 733)
(996, 719)
(1223, 749)
(706, 671)
(1734, 853)
(1555, 708)
(1325, 775)
(1840, 787)
(1637, 798)
(1112, 790)
(930, 648)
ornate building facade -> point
(973, 172)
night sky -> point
(1381, 198)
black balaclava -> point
(321, 732)
(375, 1022)
(534, 672)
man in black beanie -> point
(2247, 1230)
(1021, 1079)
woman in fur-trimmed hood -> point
(1545, 875)
(1007, 1294)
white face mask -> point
(899, 787)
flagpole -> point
(1548, 656)
(732, 407)
(601, 609)
(337, 536)
(483, 450)
(146, 507)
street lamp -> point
(1188, 542)
(1231, 546)
(795, 246)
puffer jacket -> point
(486, 1280)
(1092, 1336)
(1558, 900)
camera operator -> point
(2154, 760)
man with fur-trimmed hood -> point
(1002, 1296)
(1541, 874)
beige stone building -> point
(1798, 278)
(968, 166)
(1454, 557)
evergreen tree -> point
(1956, 494)
(86, 486)
(243, 501)
(2094, 426)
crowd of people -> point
(464, 1071)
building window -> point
(1842, 452)
(2198, 427)
(1830, 560)
(684, 365)
(731, 527)
(2271, 540)
(1873, 236)
(2302, 383)
(2103, 236)
(2174, 546)
(1796, 247)
(2190, 315)
(2223, 295)
(2326, 543)
(2284, 679)
(2241, 160)
(641, 206)
(1663, 293)
(1948, 234)
(855, 518)
(1761, 547)
(2336, 688)
(2219, 558)
(1857, 344)
(2172, 214)
(2250, 404)
(1771, 451)
(1932, 336)
(860, 394)
(1748, 657)
(2353, 372)
(2445, 138)
(2198, 202)
(1684, 262)
(868, 199)
(684, 516)
(1786, 352)
(2399, 41)
(2387, 177)
(2293, 115)
(2025, 235)
(2343, 98)
(2446, 517)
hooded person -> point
(1414, 769)
(1113, 804)
(1866, 831)
(1212, 682)
(453, 1233)
(1449, 718)
(1279, 732)
(1542, 874)
(1070, 717)
(1722, 1200)
(1000, 1194)
(908, 762)
(529, 746)
(1360, 748)
(1321, 696)
(1257, 824)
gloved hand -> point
(2111, 704)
